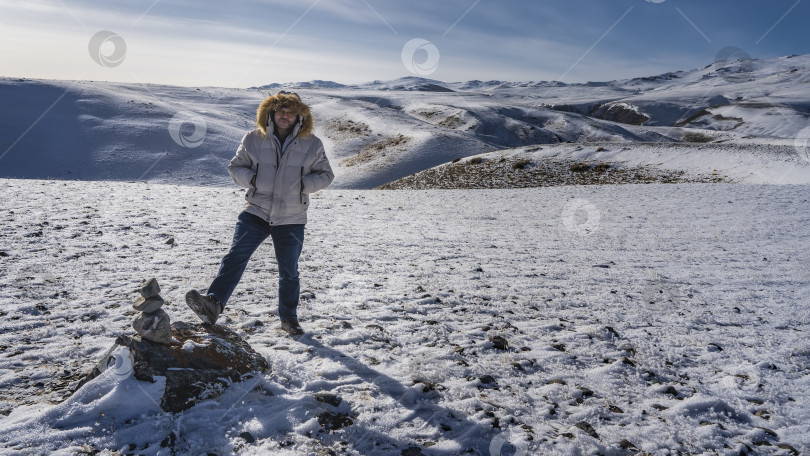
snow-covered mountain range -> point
(380, 131)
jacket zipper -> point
(302, 185)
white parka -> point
(283, 181)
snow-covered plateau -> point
(668, 318)
(646, 293)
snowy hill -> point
(106, 131)
(746, 94)
(381, 131)
(315, 84)
(409, 83)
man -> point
(279, 163)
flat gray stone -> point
(154, 326)
(150, 289)
(148, 305)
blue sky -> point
(256, 42)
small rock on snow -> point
(499, 342)
(247, 437)
(328, 398)
(588, 429)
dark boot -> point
(292, 327)
(206, 307)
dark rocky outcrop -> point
(202, 362)
(619, 112)
(612, 111)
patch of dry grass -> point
(440, 118)
(453, 121)
(348, 127)
(376, 150)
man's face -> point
(284, 118)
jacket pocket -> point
(291, 181)
(252, 185)
(265, 177)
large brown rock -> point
(205, 361)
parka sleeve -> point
(241, 166)
(320, 175)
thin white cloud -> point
(186, 42)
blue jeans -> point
(250, 232)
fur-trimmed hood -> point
(284, 100)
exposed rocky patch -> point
(515, 171)
(619, 112)
(612, 111)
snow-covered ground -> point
(664, 319)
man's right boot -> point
(206, 307)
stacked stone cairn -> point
(152, 323)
